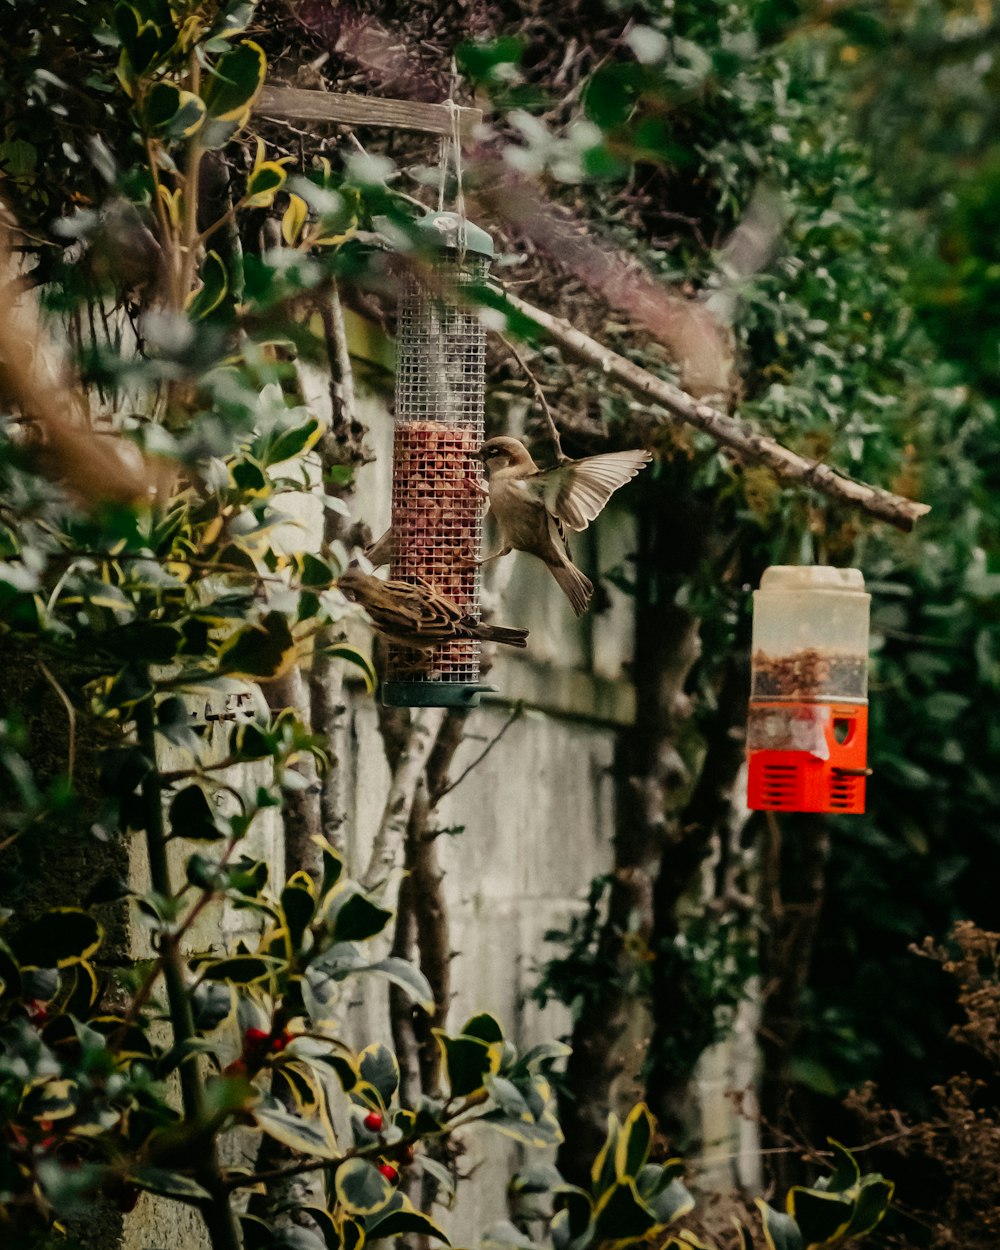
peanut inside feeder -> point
(436, 511)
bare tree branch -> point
(386, 848)
(729, 432)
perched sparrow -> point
(417, 616)
(534, 507)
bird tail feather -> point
(576, 587)
(509, 635)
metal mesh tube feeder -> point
(436, 512)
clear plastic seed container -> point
(810, 635)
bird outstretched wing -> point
(575, 493)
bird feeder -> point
(808, 726)
(436, 509)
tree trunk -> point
(793, 881)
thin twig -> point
(516, 714)
(70, 716)
(536, 386)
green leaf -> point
(484, 1026)
(170, 113)
(671, 1202)
(359, 917)
(234, 82)
(287, 445)
(745, 1236)
(152, 641)
(602, 1170)
(311, 1136)
(52, 1100)
(192, 816)
(240, 969)
(407, 976)
(264, 184)
(611, 94)
(248, 877)
(298, 903)
(870, 1205)
(303, 1085)
(619, 1213)
(653, 1178)
(352, 1234)
(377, 1065)
(251, 742)
(480, 60)
(232, 18)
(327, 1225)
(467, 1061)
(576, 1205)
(141, 40)
(544, 1053)
(780, 1231)
(211, 293)
(167, 1184)
(536, 1133)
(400, 1218)
(845, 1172)
(257, 1233)
(509, 1099)
(441, 1176)
(333, 866)
(633, 1145)
(361, 1188)
(358, 659)
(345, 1069)
(294, 219)
(259, 650)
(821, 1217)
(58, 938)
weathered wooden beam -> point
(296, 104)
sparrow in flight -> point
(417, 616)
(534, 507)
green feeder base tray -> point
(431, 694)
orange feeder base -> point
(807, 757)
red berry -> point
(373, 1121)
(255, 1040)
(409, 1154)
(389, 1172)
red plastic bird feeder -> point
(808, 729)
(436, 511)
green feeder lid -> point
(431, 694)
(450, 231)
